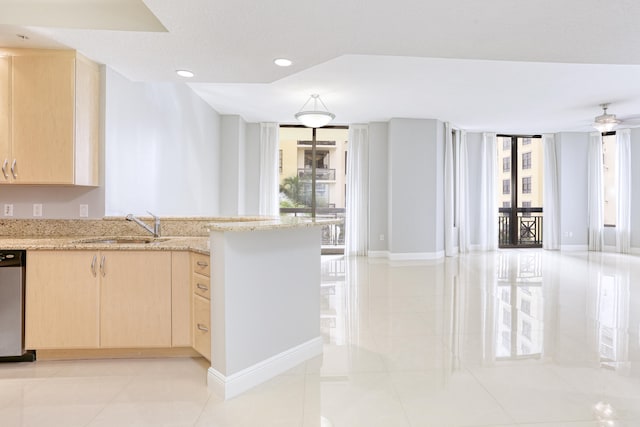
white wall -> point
(474, 151)
(259, 312)
(416, 158)
(252, 167)
(57, 202)
(162, 150)
(572, 179)
(378, 202)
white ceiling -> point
(497, 65)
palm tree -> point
(292, 188)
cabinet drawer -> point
(200, 264)
(201, 326)
(200, 285)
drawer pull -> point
(202, 264)
(93, 266)
(203, 327)
(202, 287)
(103, 270)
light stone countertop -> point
(199, 244)
(165, 243)
(272, 224)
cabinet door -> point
(180, 300)
(42, 118)
(135, 299)
(202, 326)
(62, 300)
(5, 105)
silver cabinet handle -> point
(202, 287)
(4, 168)
(13, 168)
(102, 266)
(202, 264)
(202, 327)
(93, 265)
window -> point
(506, 164)
(506, 186)
(525, 306)
(506, 317)
(520, 163)
(609, 171)
(526, 330)
(506, 204)
(322, 159)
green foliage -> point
(292, 189)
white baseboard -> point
(235, 384)
(378, 254)
(416, 256)
(574, 248)
(634, 251)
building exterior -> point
(296, 159)
(529, 152)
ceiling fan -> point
(605, 122)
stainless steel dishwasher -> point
(12, 291)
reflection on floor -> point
(511, 338)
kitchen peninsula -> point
(243, 292)
(265, 302)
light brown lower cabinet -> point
(202, 326)
(98, 299)
(135, 299)
(201, 286)
(62, 300)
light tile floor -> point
(512, 338)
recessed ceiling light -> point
(22, 36)
(185, 73)
(282, 62)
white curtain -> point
(449, 193)
(488, 201)
(269, 203)
(550, 195)
(596, 192)
(463, 194)
(357, 209)
(623, 214)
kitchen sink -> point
(123, 240)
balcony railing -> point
(332, 234)
(321, 174)
(528, 230)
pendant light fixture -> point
(605, 122)
(315, 117)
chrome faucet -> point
(156, 225)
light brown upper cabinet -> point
(53, 115)
(5, 124)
